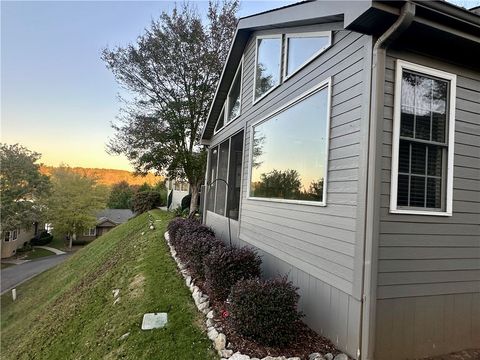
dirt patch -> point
(136, 286)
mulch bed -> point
(307, 341)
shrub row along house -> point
(349, 136)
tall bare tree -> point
(172, 72)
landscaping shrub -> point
(265, 311)
(186, 227)
(225, 266)
(42, 238)
(173, 227)
(144, 201)
(195, 247)
(186, 201)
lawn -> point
(37, 253)
(69, 313)
(57, 243)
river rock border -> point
(219, 340)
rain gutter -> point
(372, 205)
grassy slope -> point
(68, 312)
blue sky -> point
(57, 97)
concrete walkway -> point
(55, 251)
(15, 275)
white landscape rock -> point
(316, 356)
(226, 353)
(210, 314)
(220, 342)
(212, 333)
(124, 336)
(328, 356)
(341, 357)
(239, 356)
(204, 307)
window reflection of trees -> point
(263, 82)
(287, 184)
(257, 152)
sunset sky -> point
(57, 97)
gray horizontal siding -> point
(330, 311)
(318, 240)
(429, 255)
(428, 283)
(320, 248)
(426, 326)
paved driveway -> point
(15, 275)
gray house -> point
(349, 136)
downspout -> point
(372, 205)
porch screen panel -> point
(221, 178)
(235, 175)
(212, 175)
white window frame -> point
(222, 112)
(326, 84)
(88, 232)
(452, 78)
(260, 37)
(310, 59)
(12, 235)
(227, 108)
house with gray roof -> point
(107, 219)
(344, 145)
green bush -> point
(144, 201)
(42, 238)
(265, 311)
(26, 247)
(225, 266)
(186, 201)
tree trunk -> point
(194, 200)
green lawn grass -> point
(68, 312)
(57, 243)
(37, 253)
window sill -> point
(264, 95)
(419, 212)
(287, 201)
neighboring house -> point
(15, 239)
(349, 135)
(106, 220)
(176, 191)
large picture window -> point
(267, 66)
(289, 153)
(225, 168)
(423, 139)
